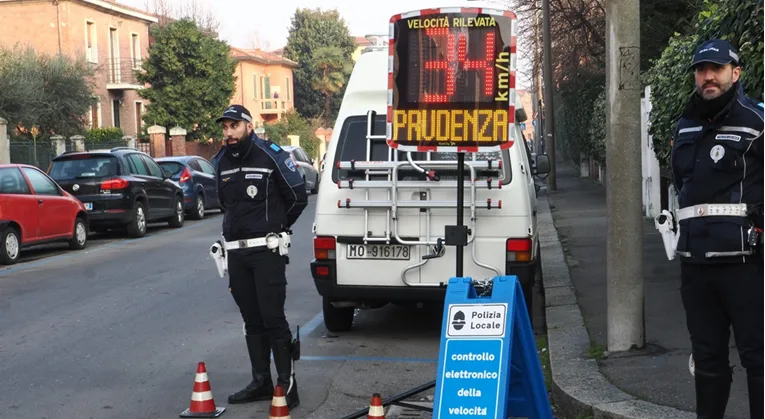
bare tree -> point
(256, 41)
(189, 9)
(577, 30)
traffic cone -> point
(279, 409)
(376, 409)
(202, 402)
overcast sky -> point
(265, 23)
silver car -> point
(305, 167)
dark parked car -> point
(197, 179)
(121, 188)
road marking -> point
(367, 359)
(312, 324)
(118, 243)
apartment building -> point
(114, 38)
(264, 84)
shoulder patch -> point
(275, 147)
(290, 163)
(761, 104)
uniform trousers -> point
(717, 297)
(259, 286)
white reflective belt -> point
(243, 244)
(246, 169)
(707, 210)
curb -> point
(578, 386)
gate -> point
(38, 154)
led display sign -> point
(451, 80)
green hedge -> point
(579, 117)
(671, 81)
(103, 135)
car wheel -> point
(176, 221)
(10, 246)
(199, 209)
(137, 226)
(337, 319)
(80, 236)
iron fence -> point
(145, 147)
(38, 154)
(123, 71)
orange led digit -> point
(452, 80)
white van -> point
(369, 235)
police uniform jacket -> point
(259, 189)
(717, 158)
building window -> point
(287, 81)
(267, 86)
(91, 53)
(255, 86)
(138, 119)
(116, 112)
(135, 51)
(94, 116)
(114, 55)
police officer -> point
(262, 195)
(717, 166)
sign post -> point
(451, 88)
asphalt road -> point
(117, 330)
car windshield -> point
(83, 167)
(171, 166)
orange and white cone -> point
(279, 409)
(376, 409)
(202, 401)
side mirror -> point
(542, 164)
(166, 174)
(312, 161)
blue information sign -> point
(471, 377)
(488, 365)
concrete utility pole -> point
(549, 125)
(624, 254)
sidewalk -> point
(649, 383)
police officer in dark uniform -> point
(262, 195)
(717, 166)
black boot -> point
(755, 389)
(262, 387)
(712, 392)
(284, 367)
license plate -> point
(89, 206)
(378, 251)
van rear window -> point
(352, 144)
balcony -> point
(273, 106)
(121, 74)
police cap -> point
(236, 113)
(716, 51)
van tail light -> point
(114, 184)
(185, 175)
(518, 250)
(324, 247)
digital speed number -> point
(457, 60)
(452, 80)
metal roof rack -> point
(379, 42)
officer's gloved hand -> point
(755, 214)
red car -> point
(35, 210)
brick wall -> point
(205, 150)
